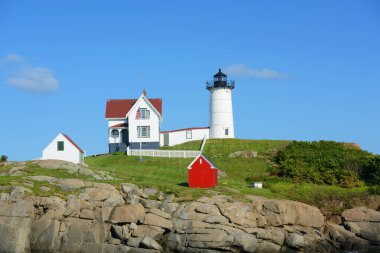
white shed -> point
(175, 137)
(63, 148)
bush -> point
(3, 158)
(323, 162)
(372, 172)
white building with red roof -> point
(63, 148)
(134, 122)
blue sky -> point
(304, 70)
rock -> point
(134, 242)
(18, 173)
(206, 209)
(87, 214)
(72, 207)
(150, 231)
(102, 193)
(150, 191)
(248, 242)
(238, 213)
(114, 241)
(99, 232)
(159, 213)
(15, 232)
(361, 214)
(222, 174)
(42, 178)
(131, 189)
(169, 207)
(295, 240)
(273, 235)
(155, 220)
(268, 247)
(21, 208)
(45, 189)
(70, 184)
(18, 193)
(149, 203)
(282, 212)
(336, 219)
(216, 219)
(45, 234)
(4, 196)
(149, 243)
(367, 230)
(127, 213)
(244, 154)
(77, 231)
(120, 232)
(113, 200)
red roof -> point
(184, 129)
(118, 108)
(72, 142)
(119, 125)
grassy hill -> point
(170, 174)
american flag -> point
(138, 114)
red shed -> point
(202, 173)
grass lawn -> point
(170, 174)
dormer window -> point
(145, 114)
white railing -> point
(203, 143)
(163, 153)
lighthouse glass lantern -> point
(221, 113)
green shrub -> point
(323, 162)
(372, 172)
(3, 158)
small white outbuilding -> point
(63, 148)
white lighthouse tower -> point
(221, 114)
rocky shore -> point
(101, 218)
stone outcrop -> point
(103, 219)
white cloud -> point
(13, 58)
(35, 79)
(242, 70)
(29, 78)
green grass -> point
(170, 174)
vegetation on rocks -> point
(3, 158)
(325, 162)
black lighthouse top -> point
(220, 81)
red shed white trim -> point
(202, 173)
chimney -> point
(144, 92)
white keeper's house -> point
(63, 148)
(135, 123)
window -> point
(115, 133)
(143, 131)
(188, 134)
(60, 146)
(226, 131)
(144, 113)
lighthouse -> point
(221, 114)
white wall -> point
(153, 122)
(70, 152)
(221, 117)
(178, 137)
